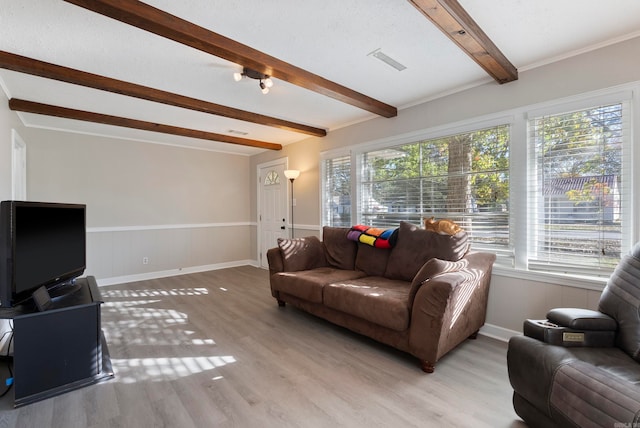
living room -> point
(156, 209)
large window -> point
(548, 188)
(462, 177)
(577, 194)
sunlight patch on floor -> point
(133, 370)
(120, 294)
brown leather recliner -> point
(581, 384)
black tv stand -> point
(60, 349)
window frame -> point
(575, 105)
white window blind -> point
(578, 194)
(336, 192)
(463, 177)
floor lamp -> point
(292, 174)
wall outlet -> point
(145, 260)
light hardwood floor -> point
(214, 349)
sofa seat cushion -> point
(379, 300)
(533, 366)
(611, 360)
(308, 284)
(591, 396)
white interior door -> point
(272, 215)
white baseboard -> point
(172, 272)
(498, 333)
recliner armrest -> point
(582, 319)
(572, 327)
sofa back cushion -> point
(416, 246)
(372, 260)
(620, 300)
(340, 251)
(302, 253)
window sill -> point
(577, 281)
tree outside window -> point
(463, 177)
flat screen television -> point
(41, 244)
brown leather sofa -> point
(585, 386)
(424, 296)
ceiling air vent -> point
(386, 59)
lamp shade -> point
(292, 174)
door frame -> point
(18, 167)
(285, 163)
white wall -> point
(130, 183)
(8, 122)
(512, 298)
(182, 209)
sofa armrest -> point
(274, 258)
(449, 307)
(431, 269)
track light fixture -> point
(265, 79)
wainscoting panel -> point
(512, 300)
(152, 250)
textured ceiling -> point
(329, 38)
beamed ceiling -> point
(162, 71)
